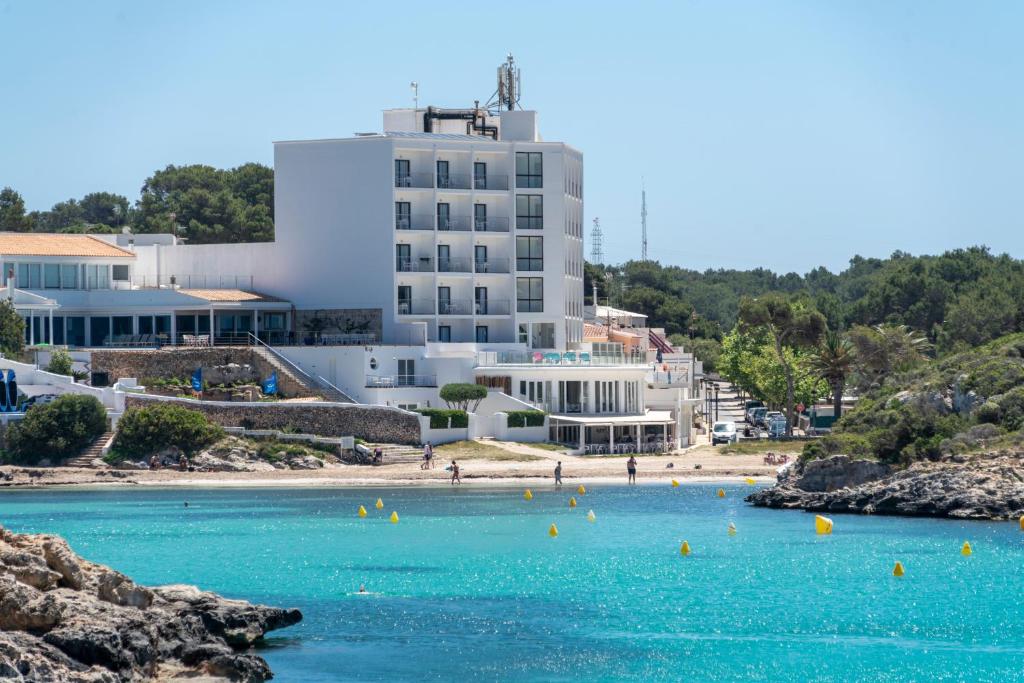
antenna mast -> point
(643, 221)
(596, 243)
(415, 94)
(509, 87)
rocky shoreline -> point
(987, 486)
(63, 618)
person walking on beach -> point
(631, 469)
(558, 475)
(455, 473)
(428, 454)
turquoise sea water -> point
(468, 585)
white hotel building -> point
(448, 248)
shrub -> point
(60, 362)
(144, 431)
(525, 418)
(56, 431)
(987, 412)
(1011, 409)
(463, 396)
(439, 417)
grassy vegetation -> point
(761, 446)
(544, 445)
(476, 450)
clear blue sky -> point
(779, 134)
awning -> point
(652, 417)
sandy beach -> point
(488, 463)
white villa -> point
(447, 248)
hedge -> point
(439, 418)
(525, 418)
(144, 431)
(56, 431)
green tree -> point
(12, 212)
(462, 396)
(833, 361)
(884, 349)
(60, 362)
(12, 330)
(144, 431)
(58, 430)
(787, 325)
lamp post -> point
(716, 402)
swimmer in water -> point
(186, 503)
(362, 588)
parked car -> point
(768, 416)
(752, 404)
(776, 427)
(723, 432)
(754, 415)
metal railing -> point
(569, 358)
(416, 307)
(455, 223)
(421, 180)
(191, 281)
(456, 264)
(414, 222)
(313, 381)
(453, 181)
(490, 223)
(492, 307)
(490, 182)
(491, 265)
(391, 381)
(423, 264)
(455, 307)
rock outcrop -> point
(985, 486)
(65, 619)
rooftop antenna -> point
(596, 243)
(415, 94)
(509, 87)
(643, 220)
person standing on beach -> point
(455, 473)
(558, 475)
(631, 469)
(428, 453)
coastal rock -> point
(63, 618)
(986, 486)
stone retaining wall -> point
(371, 423)
(182, 362)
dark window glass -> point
(481, 334)
(403, 215)
(530, 294)
(99, 330)
(529, 212)
(529, 253)
(444, 333)
(529, 169)
(402, 173)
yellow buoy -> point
(528, 495)
(572, 502)
(822, 525)
(721, 493)
(750, 481)
(898, 569)
(591, 516)
(581, 490)
(553, 531)
(362, 511)
(732, 529)
(394, 518)
(1022, 523)
(684, 549)
(675, 483)
(379, 504)
(966, 549)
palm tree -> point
(833, 361)
(884, 349)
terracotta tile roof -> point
(227, 295)
(51, 244)
(592, 331)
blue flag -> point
(197, 380)
(270, 384)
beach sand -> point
(488, 463)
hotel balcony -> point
(491, 265)
(423, 264)
(493, 307)
(471, 307)
(417, 180)
(454, 265)
(415, 222)
(392, 381)
(490, 182)
(455, 223)
(491, 224)
(453, 181)
(455, 307)
(416, 307)
(548, 358)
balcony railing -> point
(457, 223)
(492, 307)
(414, 222)
(423, 264)
(454, 265)
(455, 307)
(490, 182)
(199, 281)
(415, 307)
(453, 181)
(391, 381)
(422, 180)
(491, 265)
(491, 224)
(569, 358)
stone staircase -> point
(86, 459)
(395, 454)
(286, 368)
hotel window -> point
(69, 276)
(97, 277)
(480, 175)
(529, 212)
(529, 169)
(403, 216)
(402, 173)
(30, 276)
(444, 333)
(529, 253)
(51, 276)
(524, 334)
(481, 334)
(119, 273)
(530, 294)
(443, 179)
